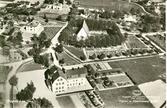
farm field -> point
(30, 66)
(133, 42)
(76, 51)
(142, 70)
(159, 41)
(123, 98)
(51, 31)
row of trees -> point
(125, 53)
(15, 8)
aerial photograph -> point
(82, 53)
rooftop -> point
(33, 24)
(73, 73)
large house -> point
(83, 32)
(33, 27)
(68, 81)
(30, 29)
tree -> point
(49, 1)
(61, 1)
(92, 56)
(13, 80)
(101, 56)
(83, 58)
(43, 103)
(59, 48)
(46, 20)
(61, 61)
(26, 93)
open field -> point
(67, 59)
(30, 66)
(65, 102)
(51, 31)
(124, 98)
(109, 4)
(133, 42)
(76, 51)
(159, 40)
(37, 77)
(142, 70)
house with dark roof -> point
(64, 81)
(83, 32)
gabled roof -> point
(85, 27)
(73, 73)
(57, 74)
(77, 72)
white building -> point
(56, 6)
(30, 29)
(63, 82)
(69, 81)
(33, 28)
(130, 18)
(83, 32)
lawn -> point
(30, 66)
(109, 4)
(142, 70)
(67, 59)
(124, 98)
(133, 42)
(51, 31)
(158, 40)
(76, 51)
(65, 102)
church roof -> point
(85, 27)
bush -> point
(101, 56)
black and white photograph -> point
(83, 54)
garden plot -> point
(101, 66)
(117, 81)
(158, 39)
